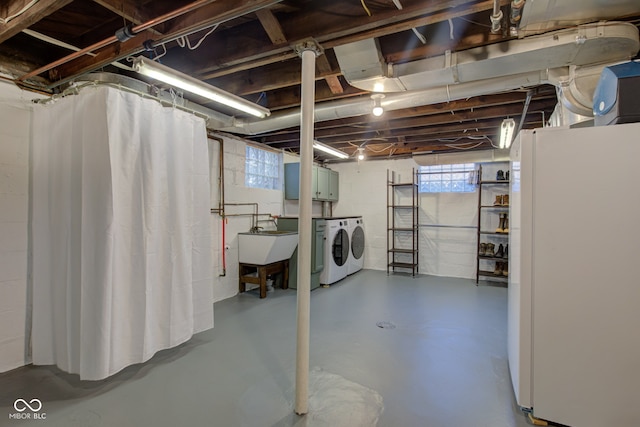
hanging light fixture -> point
(377, 104)
(180, 80)
(329, 150)
(360, 153)
(506, 132)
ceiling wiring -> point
(162, 54)
(381, 150)
(458, 147)
(184, 40)
(366, 9)
(18, 13)
(450, 28)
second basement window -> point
(262, 169)
(457, 178)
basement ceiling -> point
(246, 47)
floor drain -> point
(385, 325)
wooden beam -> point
(443, 110)
(129, 10)
(276, 76)
(289, 97)
(271, 26)
(398, 51)
(330, 30)
(35, 13)
(332, 80)
(214, 13)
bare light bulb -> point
(377, 104)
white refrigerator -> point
(574, 281)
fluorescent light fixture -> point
(180, 80)
(377, 104)
(506, 132)
(322, 147)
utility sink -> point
(266, 247)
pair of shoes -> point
(502, 268)
(486, 249)
(502, 252)
(502, 175)
(503, 227)
(501, 200)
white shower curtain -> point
(121, 237)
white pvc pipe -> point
(304, 231)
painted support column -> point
(308, 50)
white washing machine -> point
(336, 250)
(356, 235)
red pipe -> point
(112, 39)
(224, 247)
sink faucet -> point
(255, 229)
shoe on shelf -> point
(489, 250)
(506, 176)
(500, 228)
(505, 269)
(500, 175)
(505, 200)
(500, 252)
(498, 270)
(498, 201)
(505, 226)
(483, 249)
(506, 251)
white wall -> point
(449, 250)
(15, 118)
(269, 201)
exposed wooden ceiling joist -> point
(215, 13)
(27, 18)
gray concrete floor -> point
(442, 363)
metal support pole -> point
(308, 50)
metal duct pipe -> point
(584, 45)
(395, 101)
(363, 66)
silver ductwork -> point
(539, 16)
(362, 65)
(395, 101)
(564, 58)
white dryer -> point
(356, 235)
(336, 251)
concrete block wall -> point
(444, 251)
(269, 201)
(15, 119)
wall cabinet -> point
(324, 183)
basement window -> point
(457, 178)
(262, 169)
